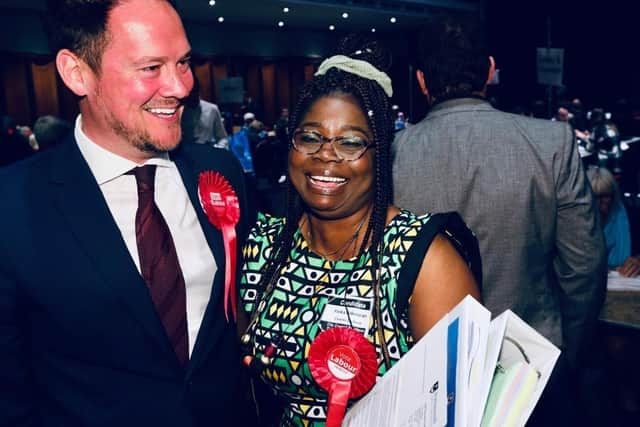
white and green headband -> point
(359, 68)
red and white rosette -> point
(343, 362)
(220, 203)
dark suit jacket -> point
(519, 185)
(80, 342)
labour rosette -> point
(220, 203)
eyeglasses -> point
(347, 148)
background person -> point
(340, 234)
(520, 186)
(50, 130)
(613, 215)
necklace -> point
(278, 340)
(342, 250)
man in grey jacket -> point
(520, 186)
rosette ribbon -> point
(343, 362)
(220, 204)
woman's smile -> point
(326, 184)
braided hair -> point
(375, 104)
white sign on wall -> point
(550, 64)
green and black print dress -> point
(309, 283)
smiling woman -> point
(345, 261)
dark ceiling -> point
(303, 14)
(314, 14)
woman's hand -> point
(631, 267)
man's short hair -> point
(81, 27)
(453, 55)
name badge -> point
(347, 311)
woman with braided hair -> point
(344, 256)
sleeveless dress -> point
(309, 283)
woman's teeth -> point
(328, 179)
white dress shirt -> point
(121, 194)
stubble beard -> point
(141, 139)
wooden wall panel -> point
(16, 90)
(45, 89)
(309, 69)
(283, 85)
(253, 82)
(203, 74)
(219, 71)
(269, 93)
(297, 79)
(31, 90)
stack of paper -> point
(463, 362)
(616, 282)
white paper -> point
(616, 282)
(415, 392)
(541, 352)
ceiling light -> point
(220, 18)
(212, 2)
(280, 24)
(393, 20)
(373, 30)
(345, 15)
(331, 27)
(285, 10)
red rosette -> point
(343, 362)
(220, 204)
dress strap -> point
(451, 225)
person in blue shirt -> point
(613, 214)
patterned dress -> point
(307, 284)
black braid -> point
(377, 110)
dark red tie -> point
(159, 264)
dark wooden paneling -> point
(283, 84)
(253, 82)
(269, 92)
(45, 89)
(16, 90)
(31, 89)
(297, 81)
(309, 69)
(203, 74)
(219, 71)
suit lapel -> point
(78, 198)
(206, 335)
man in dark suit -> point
(519, 185)
(112, 279)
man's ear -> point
(75, 73)
(492, 69)
(422, 83)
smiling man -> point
(118, 317)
